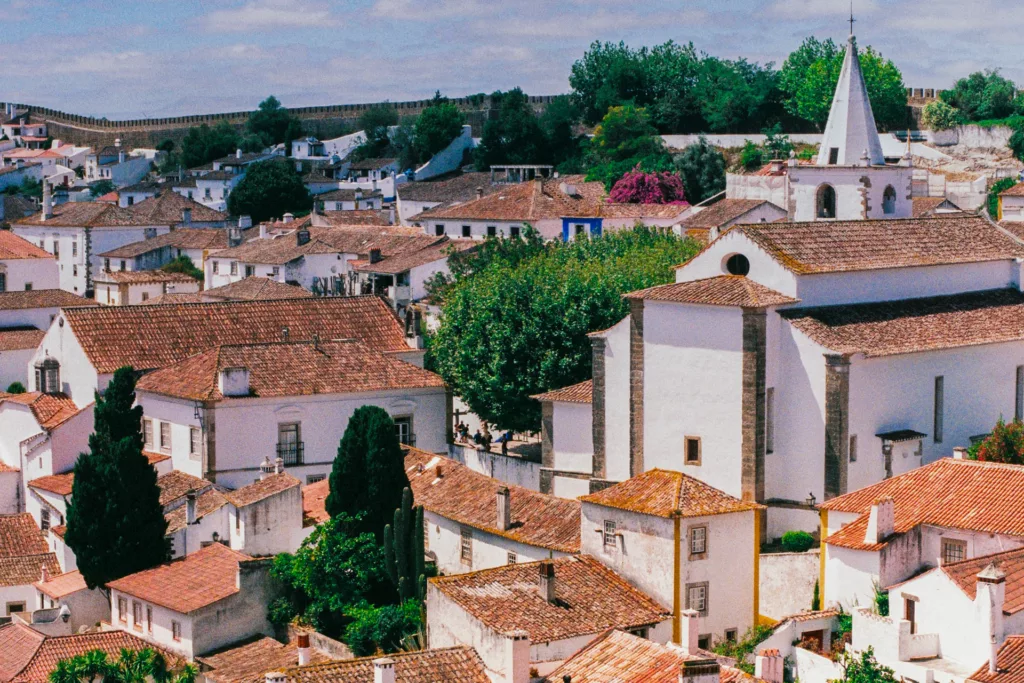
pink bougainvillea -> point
(639, 187)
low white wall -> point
(813, 668)
(506, 468)
(787, 582)
(737, 140)
(977, 137)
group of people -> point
(483, 439)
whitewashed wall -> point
(489, 550)
(574, 436)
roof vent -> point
(375, 256)
(302, 237)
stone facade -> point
(598, 406)
(547, 445)
(636, 387)
(753, 403)
(837, 424)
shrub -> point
(16, 388)
(797, 541)
(993, 195)
(1016, 142)
(881, 601)
(752, 157)
(1004, 444)
(637, 187)
(816, 598)
(939, 115)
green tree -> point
(376, 123)
(514, 137)
(816, 597)
(131, 666)
(368, 475)
(939, 115)
(16, 388)
(797, 541)
(166, 145)
(383, 629)
(982, 95)
(625, 139)
(1016, 142)
(516, 324)
(203, 144)
(436, 127)
(608, 75)
(672, 72)
(101, 187)
(114, 529)
(269, 189)
(183, 264)
(273, 124)
(565, 147)
(733, 95)
(794, 72)
(743, 648)
(993, 195)
(864, 668)
(751, 156)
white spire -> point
(851, 125)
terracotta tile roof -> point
(530, 201)
(451, 665)
(371, 164)
(1011, 562)
(50, 410)
(1009, 663)
(182, 238)
(603, 209)
(20, 338)
(148, 337)
(96, 214)
(808, 616)
(345, 195)
(1015, 191)
(249, 662)
(928, 206)
(255, 288)
(723, 290)
(449, 188)
(175, 484)
(401, 263)
(26, 569)
(664, 493)
(470, 498)
(131, 277)
(360, 218)
(62, 585)
(843, 246)
(952, 493)
(314, 502)
(187, 584)
(36, 655)
(261, 490)
(60, 484)
(577, 393)
(41, 298)
(59, 530)
(285, 248)
(207, 502)
(590, 599)
(14, 247)
(166, 208)
(175, 298)
(154, 458)
(621, 656)
(722, 212)
(912, 325)
(4, 467)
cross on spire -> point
(852, 20)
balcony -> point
(290, 453)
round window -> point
(737, 264)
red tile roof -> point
(721, 212)
(470, 498)
(62, 585)
(621, 656)
(929, 206)
(951, 493)
(14, 247)
(1009, 663)
(530, 201)
(20, 536)
(448, 665)
(1010, 562)
(148, 337)
(664, 493)
(207, 502)
(41, 298)
(314, 502)
(166, 208)
(451, 188)
(290, 369)
(254, 288)
(175, 484)
(50, 410)
(27, 569)
(182, 238)
(20, 338)
(577, 393)
(18, 644)
(61, 484)
(250, 661)
(912, 325)
(261, 490)
(403, 262)
(187, 584)
(1015, 191)
(133, 277)
(843, 246)
(590, 598)
(723, 290)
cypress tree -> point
(116, 524)
(369, 471)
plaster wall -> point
(271, 526)
(616, 433)
(40, 273)
(787, 583)
(573, 442)
(489, 550)
(510, 469)
(763, 268)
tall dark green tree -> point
(116, 524)
(269, 189)
(436, 127)
(376, 123)
(203, 144)
(272, 123)
(702, 167)
(514, 137)
(368, 476)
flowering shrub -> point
(638, 187)
(1004, 444)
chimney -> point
(278, 465)
(234, 237)
(233, 382)
(439, 472)
(374, 184)
(391, 215)
(284, 333)
(238, 153)
(768, 666)
(776, 166)
(700, 671)
(689, 634)
(190, 508)
(375, 256)
(881, 521)
(117, 142)
(547, 581)
(288, 218)
(359, 194)
(479, 193)
(302, 237)
(305, 654)
(47, 201)
(517, 657)
(989, 600)
(298, 167)
(44, 575)
(959, 453)
(384, 670)
(865, 159)
(186, 217)
(266, 468)
(275, 677)
(122, 157)
(245, 222)
(504, 509)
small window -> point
(123, 264)
(889, 200)
(466, 545)
(234, 267)
(216, 267)
(106, 264)
(512, 558)
(3, 282)
(692, 450)
(15, 608)
(467, 231)
(704, 641)
(165, 437)
(769, 420)
(147, 431)
(74, 248)
(513, 231)
(275, 271)
(608, 535)
(194, 442)
(145, 295)
(403, 430)
(492, 231)
(250, 271)
(826, 202)
(28, 286)
(175, 630)
(697, 597)
(149, 618)
(833, 156)
(44, 514)
(698, 542)
(1018, 409)
(953, 550)
(137, 615)
(439, 230)
(122, 610)
(737, 264)
(730, 635)
(939, 408)
(853, 448)
(74, 270)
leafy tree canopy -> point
(131, 666)
(436, 127)
(997, 188)
(16, 388)
(515, 318)
(864, 668)
(735, 96)
(625, 139)
(101, 187)
(203, 144)
(183, 264)
(514, 137)
(269, 189)
(983, 95)
(376, 123)
(382, 629)
(114, 529)
(565, 146)
(273, 124)
(939, 115)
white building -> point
(537, 615)
(195, 243)
(1011, 204)
(461, 664)
(16, 174)
(779, 349)
(85, 607)
(221, 413)
(127, 288)
(24, 556)
(209, 599)
(850, 179)
(118, 165)
(705, 222)
(24, 317)
(151, 337)
(683, 543)
(350, 200)
(422, 195)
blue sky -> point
(167, 57)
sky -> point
(154, 58)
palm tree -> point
(131, 666)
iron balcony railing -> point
(290, 453)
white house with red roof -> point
(24, 266)
(24, 557)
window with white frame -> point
(697, 597)
(165, 437)
(466, 545)
(608, 535)
(195, 444)
(512, 558)
(698, 542)
(953, 550)
(147, 431)
(175, 630)
(122, 610)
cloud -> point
(262, 15)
